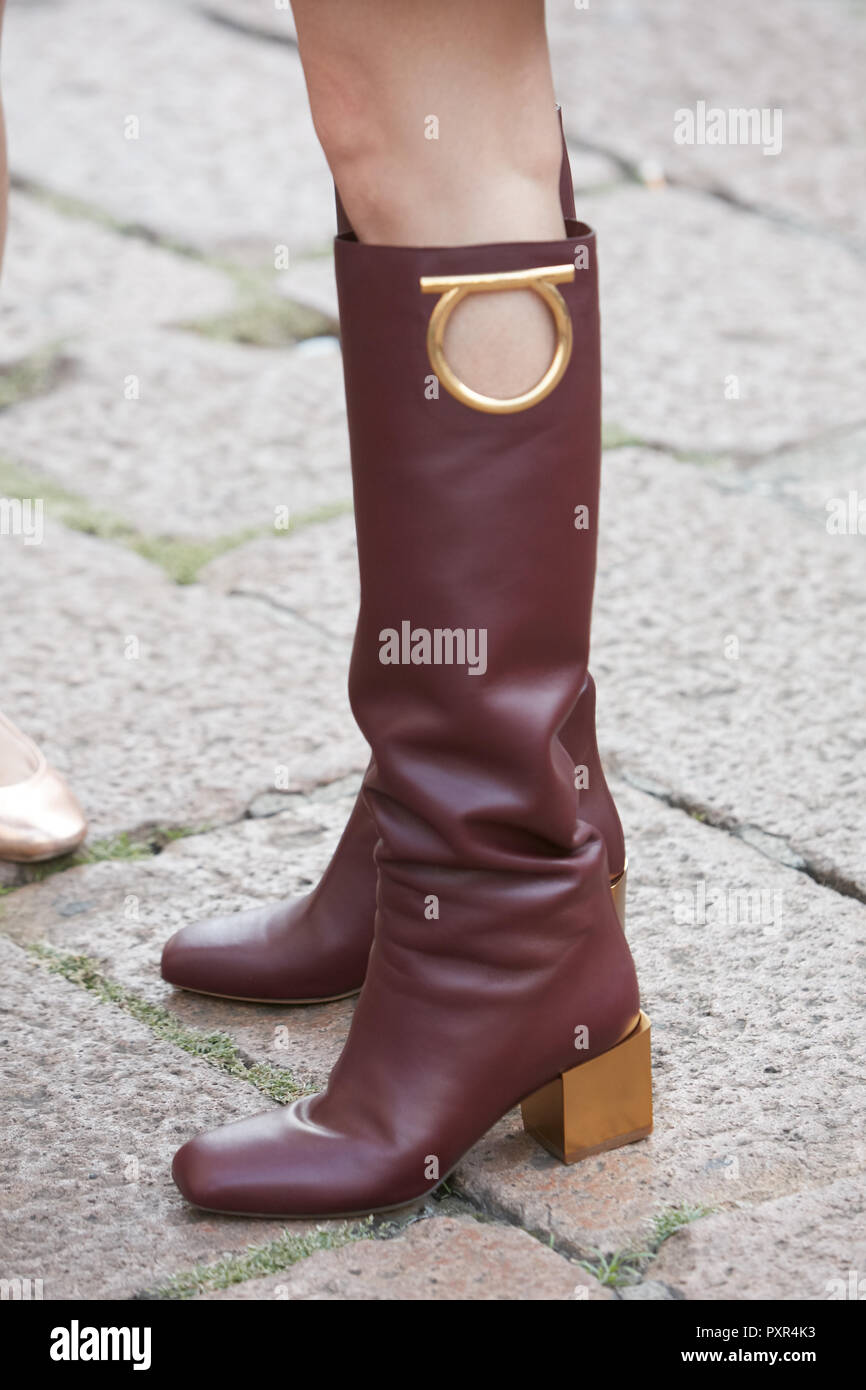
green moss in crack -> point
(139, 845)
(257, 1261)
(184, 559)
(618, 1269)
(669, 1220)
(31, 376)
(613, 436)
(697, 456)
(218, 1049)
(315, 517)
(263, 320)
(181, 558)
(624, 1267)
(16, 481)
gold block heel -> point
(617, 888)
(598, 1105)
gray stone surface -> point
(272, 19)
(65, 277)
(623, 68)
(121, 913)
(225, 155)
(88, 1203)
(320, 584)
(227, 698)
(647, 1291)
(437, 1260)
(694, 293)
(725, 676)
(310, 280)
(809, 1246)
(816, 480)
(219, 437)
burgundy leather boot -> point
(312, 948)
(499, 971)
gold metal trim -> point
(453, 288)
(618, 889)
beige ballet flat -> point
(39, 816)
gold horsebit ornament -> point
(453, 288)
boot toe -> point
(195, 957)
(284, 1162)
(245, 1167)
(202, 1178)
(272, 954)
(229, 956)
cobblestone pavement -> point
(166, 392)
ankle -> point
(397, 207)
(418, 192)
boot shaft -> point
(477, 546)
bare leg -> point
(438, 122)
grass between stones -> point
(182, 558)
(623, 1267)
(258, 1260)
(613, 436)
(217, 1049)
(259, 318)
(31, 376)
(140, 845)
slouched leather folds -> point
(496, 943)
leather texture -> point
(316, 947)
(465, 521)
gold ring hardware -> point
(453, 288)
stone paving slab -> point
(311, 281)
(699, 299)
(817, 480)
(717, 640)
(122, 912)
(94, 1108)
(209, 165)
(65, 276)
(810, 1245)
(320, 585)
(757, 1062)
(165, 704)
(625, 67)
(219, 438)
(439, 1259)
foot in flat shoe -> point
(39, 816)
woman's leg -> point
(439, 124)
(497, 951)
